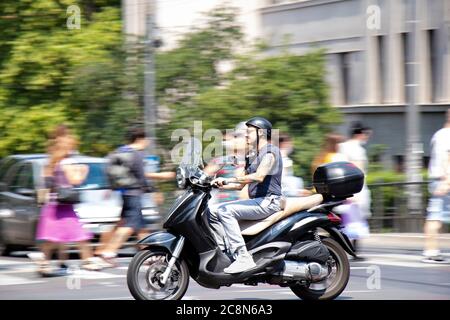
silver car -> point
(20, 180)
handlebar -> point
(216, 187)
(196, 177)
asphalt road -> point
(402, 275)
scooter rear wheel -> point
(331, 287)
(143, 276)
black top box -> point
(338, 179)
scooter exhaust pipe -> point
(311, 271)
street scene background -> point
(312, 68)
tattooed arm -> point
(264, 168)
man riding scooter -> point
(263, 175)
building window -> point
(381, 44)
(432, 64)
(406, 37)
(344, 62)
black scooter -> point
(305, 251)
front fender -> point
(161, 239)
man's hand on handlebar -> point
(219, 182)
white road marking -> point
(31, 269)
(94, 275)
(402, 264)
(115, 298)
(131, 298)
(122, 268)
(396, 256)
(259, 290)
(13, 281)
(397, 260)
(408, 236)
(109, 284)
(14, 262)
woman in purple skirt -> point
(59, 223)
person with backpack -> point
(126, 174)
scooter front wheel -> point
(145, 270)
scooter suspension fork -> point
(173, 259)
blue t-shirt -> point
(271, 184)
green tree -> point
(289, 90)
(91, 79)
(192, 67)
(76, 76)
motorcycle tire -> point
(338, 284)
(133, 271)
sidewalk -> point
(411, 241)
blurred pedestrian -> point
(234, 144)
(351, 216)
(58, 223)
(438, 211)
(291, 185)
(158, 200)
(126, 174)
(358, 207)
(330, 151)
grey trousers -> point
(224, 219)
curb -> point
(400, 240)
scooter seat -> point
(293, 205)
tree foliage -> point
(93, 80)
(289, 90)
(50, 73)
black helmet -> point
(260, 123)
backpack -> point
(119, 170)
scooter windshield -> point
(192, 154)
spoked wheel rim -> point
(148, 277)
(335, 282)
(332, 279)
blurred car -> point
(20, 180)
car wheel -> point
(5, 249)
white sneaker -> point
(433, 256)
(431, 253)
(435, 259)
(103, 262)
(242, 263)
(36, 256)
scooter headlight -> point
(181, 178)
